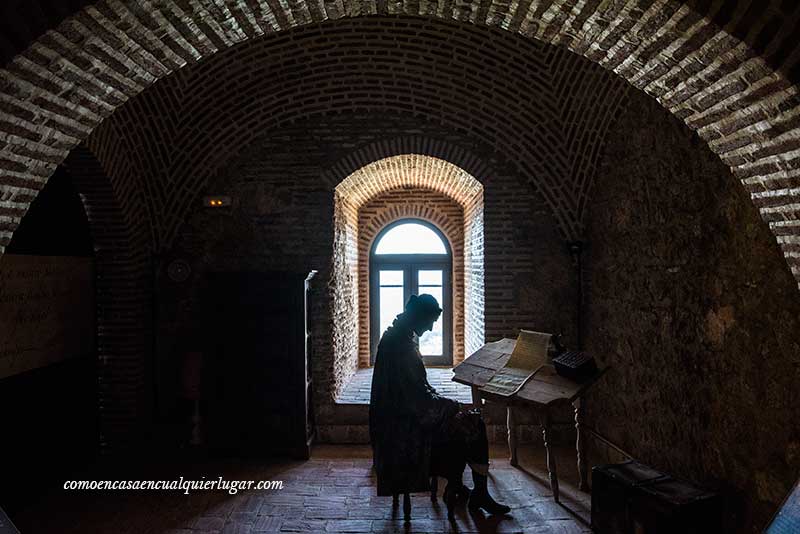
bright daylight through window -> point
(411, 258)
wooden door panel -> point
(249, 326)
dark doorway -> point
(257, 375)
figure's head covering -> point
(424, 305)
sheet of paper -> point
(507, 381)
(529, 354)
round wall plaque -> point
(179, 270)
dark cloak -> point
(404, 413)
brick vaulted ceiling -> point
(540, 108)
(724, 67)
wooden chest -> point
(631, 498)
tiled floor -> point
(357, 391)
(332, 492)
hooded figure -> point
(409, 422)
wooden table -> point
(545, 390)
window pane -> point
(431, 343)
(430, 278)
(391, 302)
(410, 238)
(391, 278)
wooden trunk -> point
(631, 498)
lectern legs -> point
(512, 435)
(580, 444)
(546, 422)
(551, 460)
(476, 397)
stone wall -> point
(690, 301)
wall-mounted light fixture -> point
(217, 201)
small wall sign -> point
(217, 201)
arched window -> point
(412, 257)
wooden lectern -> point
(544, 390)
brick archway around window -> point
(411, 203)
(384, 191)
(72, 78)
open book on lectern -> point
(529, 354)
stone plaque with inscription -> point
(46, 311)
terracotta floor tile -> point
(312, 500)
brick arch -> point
(382, 191)
(409, 170)
(454, 154)
(123, 293)
(72, 78)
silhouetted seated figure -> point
(414, 431)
